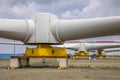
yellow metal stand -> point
(45, 50)
(81, 53)
(100, 55)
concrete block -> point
(24, 62)
(14, 62)
(63, 62)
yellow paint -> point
(100, 55)
(10, 68)
(61, 68)
(46, 50)
(81, 53)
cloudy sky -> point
(64, 9)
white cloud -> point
(17, 11)
(71, 14)
(25, 8)
(96, 8)
(67, 9)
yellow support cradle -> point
(45, 50)
(81, 53)
(100, 55)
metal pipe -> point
(65, 30)
(47, 28)
(94, 46)
(88, 46)
(16, 29)
(112, 49)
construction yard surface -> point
(79, 69)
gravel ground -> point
(80, 69)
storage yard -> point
(79, 69)
(38, 34)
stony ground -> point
(80, 69)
